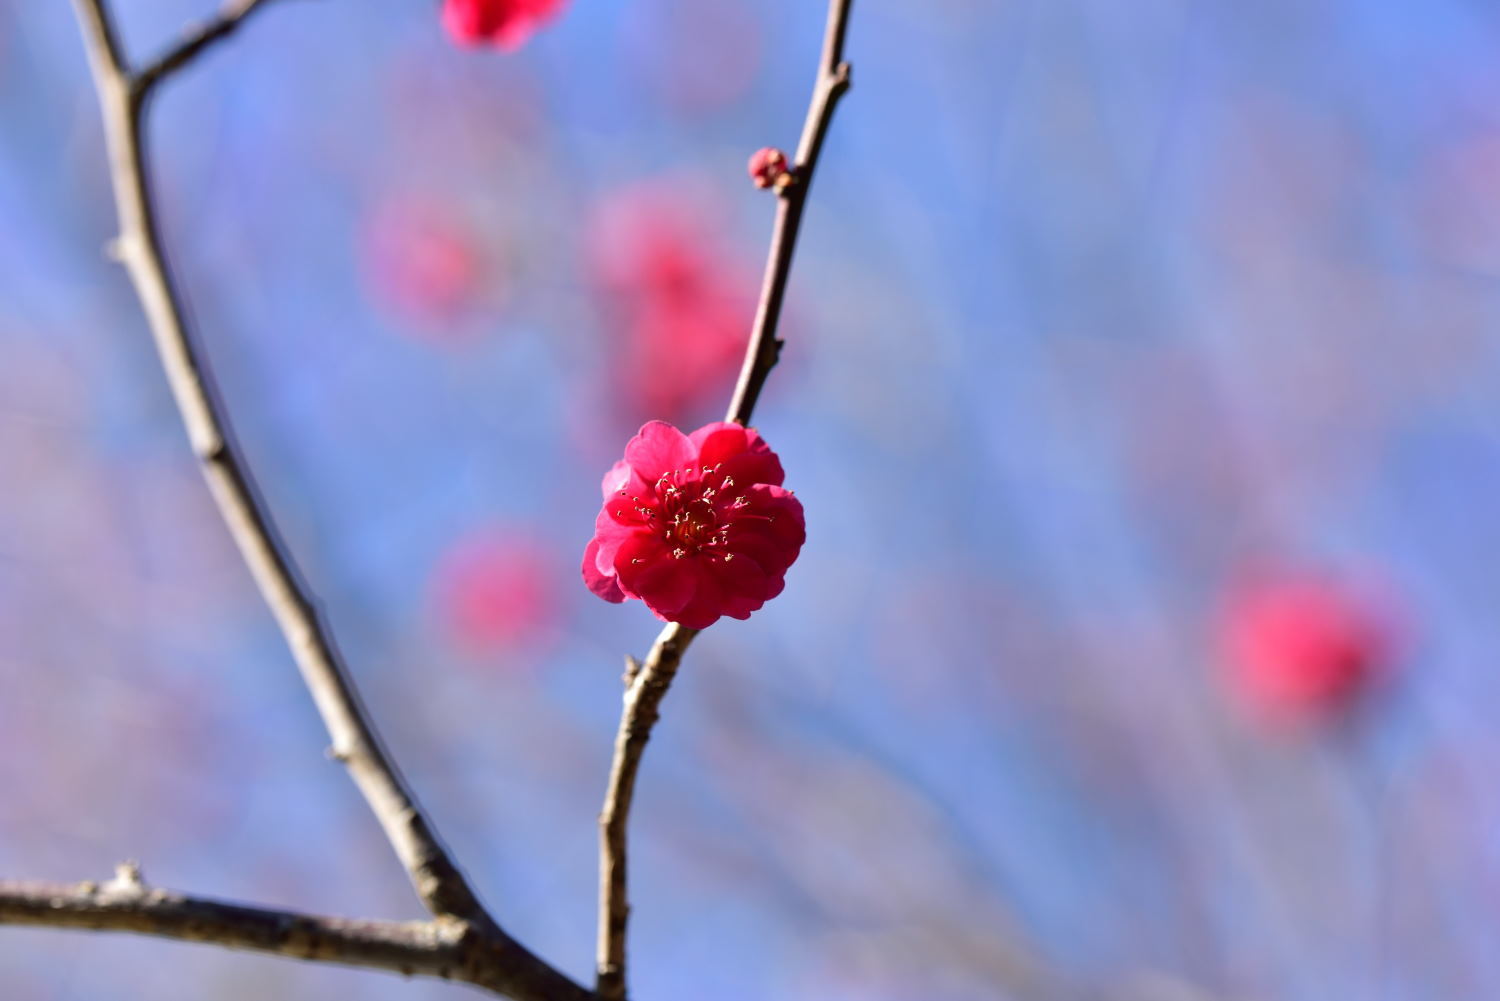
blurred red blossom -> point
(506, 24)
(1303, 647)
(679, 305)
(494, 591)
(424, 265)
(696, 526)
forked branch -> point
(498, 961)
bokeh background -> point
(1101, 310)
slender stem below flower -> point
(646, 685)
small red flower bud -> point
(768, 168)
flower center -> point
(688, 518)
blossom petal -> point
(617, 479)
(744, 583)
(740, 451)
(610, 534)
(706, 606)
(659, 448)
(605, 586)
(664, 583)
(768, 529)
(729, 437)
(633, 555)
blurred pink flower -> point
(506, 24)
(1303, 648)
(680, 308)
(494, 592)
(695, 526)
(424, 266)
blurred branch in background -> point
(229, 20)
(647, 683)
(490, 957)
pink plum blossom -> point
(696, 526)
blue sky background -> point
(1096, 305)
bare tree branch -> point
(445, 948)
(647, 682)
(139, 247)
(127, 905)
(439, 883)
(228, 20)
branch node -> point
(128, 878)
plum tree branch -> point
(125, 904)
(765, 348)
(444, 948)
(437, 879)
(646, 683)
(139, 248)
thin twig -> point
(228, 20)
(439, 883)
(765, 348)
(646, 687)
(647, 683)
